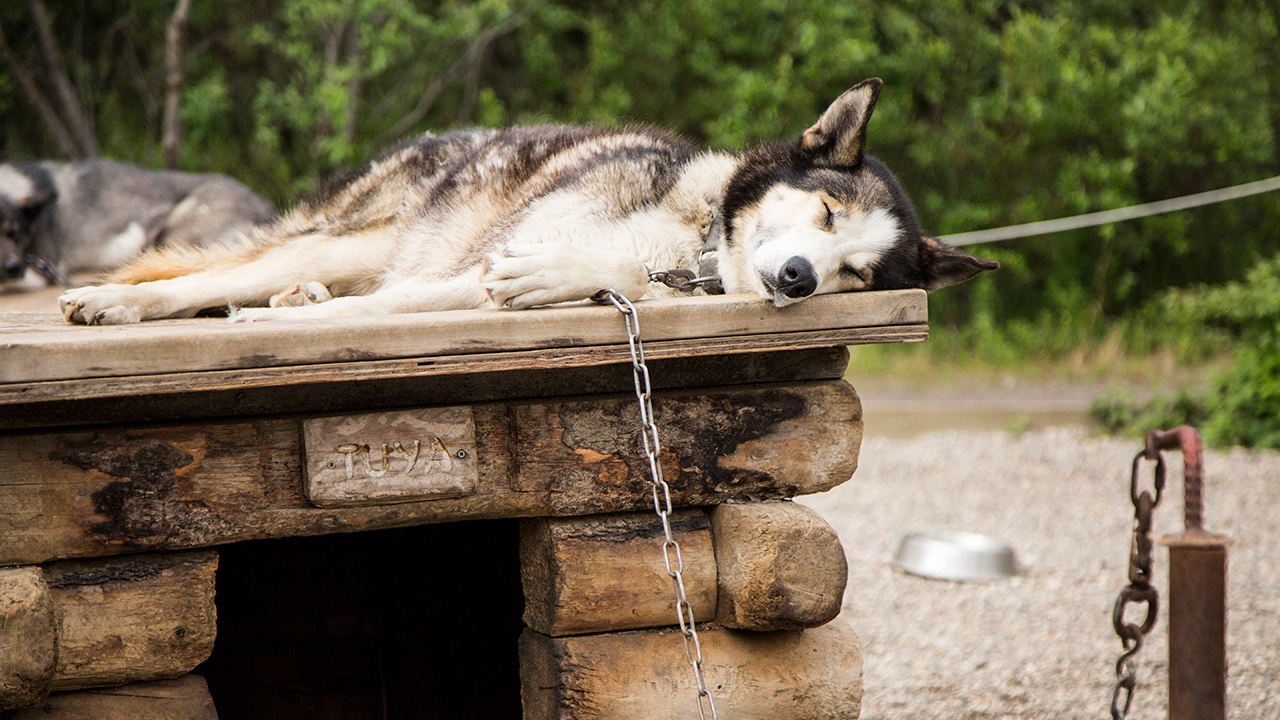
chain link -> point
(1139, 590)
(681, 279)
(662, 497)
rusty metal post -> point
(1197, 594)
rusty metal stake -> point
(1197, 593)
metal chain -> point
(1139, 590)
(681, 279)
(662, 497)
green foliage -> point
(1242, 406)
(1119, 413)
(1246, 407)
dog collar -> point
(707, 277)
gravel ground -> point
(1040, 645)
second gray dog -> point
(57, 218)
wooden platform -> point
(44, 358)
(169, 437)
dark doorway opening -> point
(407, 624)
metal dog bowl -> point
(955, 556)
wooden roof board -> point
(41, 347)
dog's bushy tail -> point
(170, 262)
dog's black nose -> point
(797, 278)
(13, 267)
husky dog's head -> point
(14, 240)
(818, 216)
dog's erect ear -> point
(22, 191)
(840, 135)
(943, 265)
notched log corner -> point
(28, 637)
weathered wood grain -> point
(643, 675)
(37, 347)
(135, 488)
(346, 388)
(332, 373)
(184, 698)
(132, 618)
(606, 572)
(781, 566)
(28, 637)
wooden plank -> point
(367, 394)
(184, 698)
(90, 387)
(133, 618)
(399, 456)
(606, 572)
(35, 349)
(781, 566)
(643, 675)
(100, 492)
(28, 637)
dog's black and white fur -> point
(57, 218)
(538, 215)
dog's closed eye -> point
(848, 269)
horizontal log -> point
(28, 637)
(606, 572)
(374, 385)
(94, 623)
(642, 675)
(100, 492)
(132, 618)
(184, 698)
(42, 347)
(781, 566)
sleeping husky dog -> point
(539, 215)
(57, 218)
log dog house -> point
(442, 515)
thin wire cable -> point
(1105, 217)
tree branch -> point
(172, 133)
(66, 144)
(80, 125)
(468, 63)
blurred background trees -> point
(993, 113)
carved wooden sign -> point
(388, 457)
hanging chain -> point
(662, 497)
(1139, 590)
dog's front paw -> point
(103, 305)
(543, 274)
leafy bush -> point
(1242, 406)
(1119, 413)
